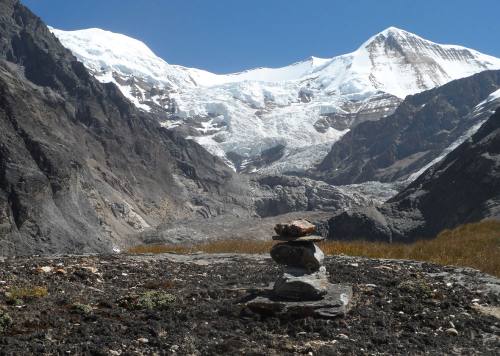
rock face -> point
(464, 187)
(420, 129)
(81, 169)
(276, 195)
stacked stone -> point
(305, 277)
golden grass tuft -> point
(474, 245)
(25, 293)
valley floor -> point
(194, 305)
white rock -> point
(452, 331)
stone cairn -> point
(305, 276)
(303, 290)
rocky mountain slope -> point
(463, 187)
(422, 130)
(275, 120)
(81, 169)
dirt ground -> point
(193, 305)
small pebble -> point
(452, 331)
(45, 269)
(343, 336)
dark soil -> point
(190, 305)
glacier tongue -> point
(275, 119)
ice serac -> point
(275, 120)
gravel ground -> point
(192, 305)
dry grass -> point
(16, 294)
(473, 245)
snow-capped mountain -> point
(276, 119)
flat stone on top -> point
(312, 238)
(296, 228)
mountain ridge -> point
(400, 145)
(81, 168)
(388, 33)
(464, 187)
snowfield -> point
(304, 107)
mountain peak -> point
(392, 30)
(391, 36)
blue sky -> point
(232, 35)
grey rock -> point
(276, 195)
(298, 272)
(367, 223)
(311, 238)
(301, 286)
(335, 303)
(298, 254)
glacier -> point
(275, 120)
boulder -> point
(337, 302)
(296, 228)
(305, 255)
